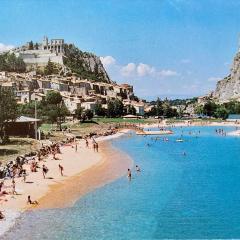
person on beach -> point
(1, 185)
(24, 174)
(76, 147)
(129, 174)
(2, 216)
(96, 146)
(86, 141)
(44, 170)
(29, 201)
(138, 168)
(60, 169)
(13, 187)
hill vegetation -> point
(11, 63)
(85, 65)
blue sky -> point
(173, 48)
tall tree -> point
(159, 107)
(30, 46)
(8, 111)
(89, 114)
(10, 63)
(131, 110)
(110, 109)
(55, 109)
(99, 110)
(53, 97)
(118, 107)
(79, 113)
(50, 68)
(36, 46)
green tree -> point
(152, 112)
(159, 107)
(131, 110)
(10, 63)
(36, 46)
(30, 46)
(79, 113)
(62, 112)
(8, 111)
(110, 109)
(199, 109)
(99, 110)
(221, 112)
(118, 107)
(53, 97)
(54, 108)
(209, 108)
(77, 61)
(89, 114)
(28, 109)
(50, 68)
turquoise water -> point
(196, 196)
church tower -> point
(45, 43)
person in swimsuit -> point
(60, 169)
(44, 170)
(129, 174)
(29, 201)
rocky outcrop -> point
(229, 88)
(71, 60)
(86, 65)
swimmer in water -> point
(138, 168)
(129, 174)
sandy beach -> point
(84, 170)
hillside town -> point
(75, 90)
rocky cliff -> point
(228, 88)
(85, 64)
(72, 60)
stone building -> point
(53, 45)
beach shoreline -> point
(98, 169)
(79, 166)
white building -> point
(139, 108)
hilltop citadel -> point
(74, 88)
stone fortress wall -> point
(52, 50)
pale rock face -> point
(93, 61)
(229, 88)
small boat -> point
(179, 140)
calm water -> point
(175, 196)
